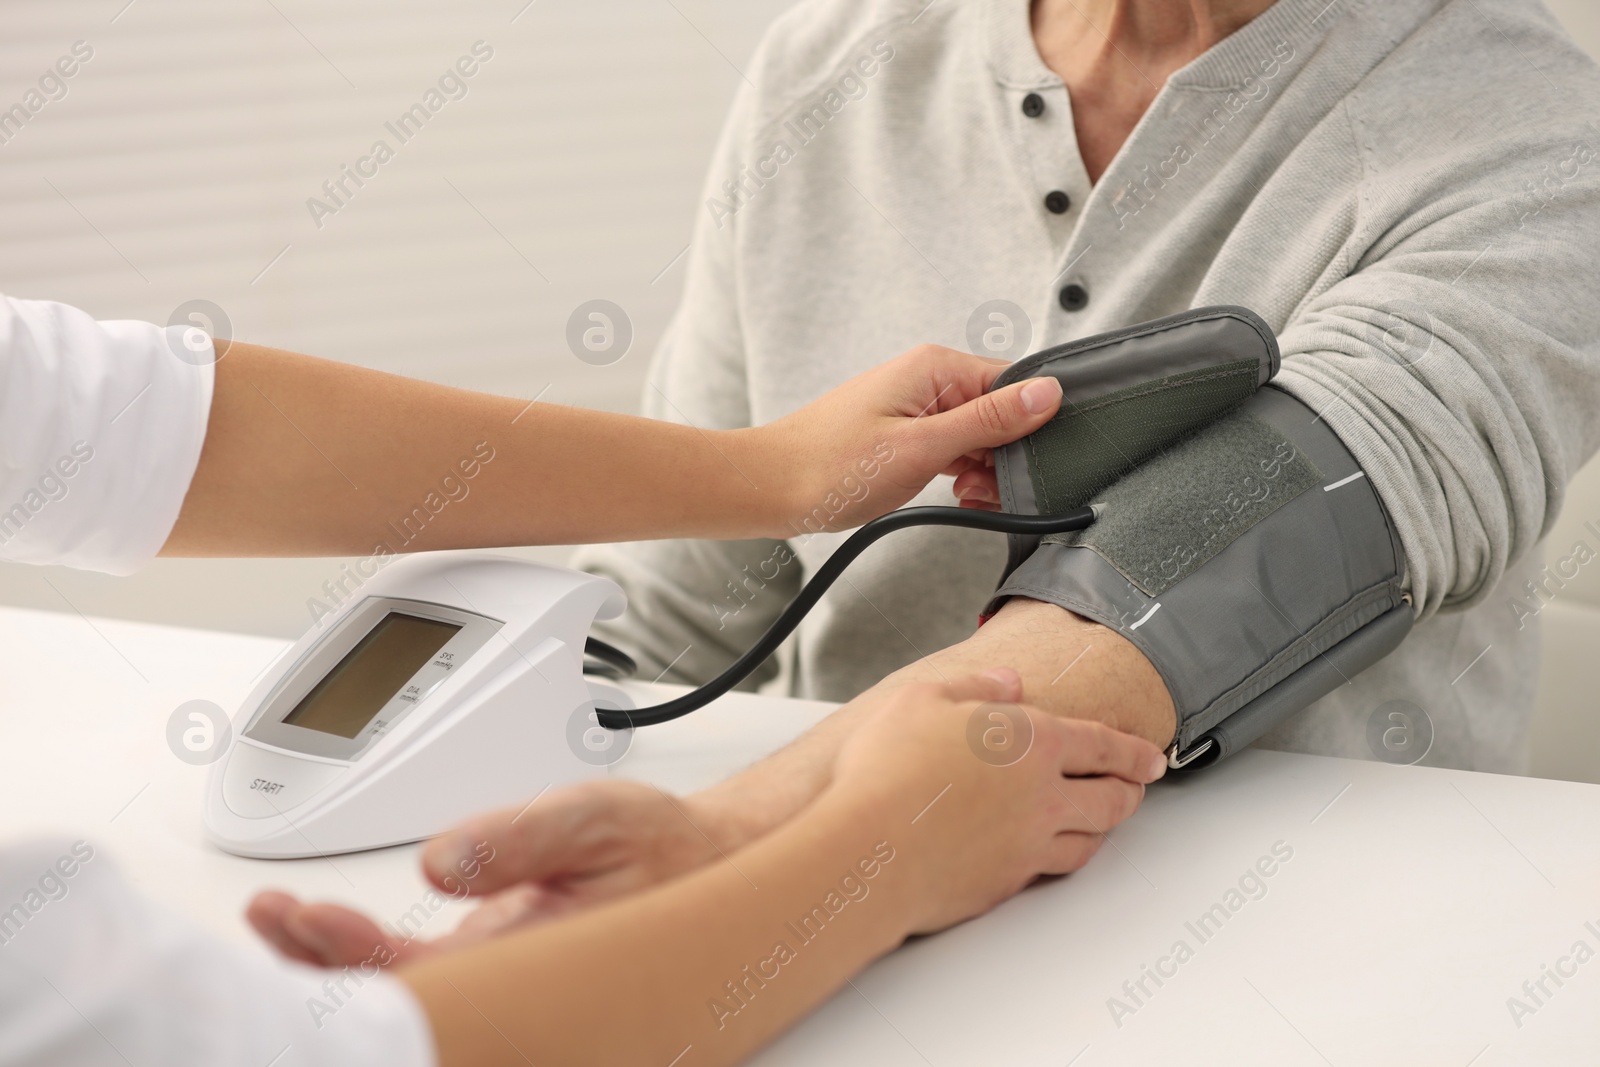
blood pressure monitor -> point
(448, 685)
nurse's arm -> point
(304, 456)
(914, 833)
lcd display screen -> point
(347, 699)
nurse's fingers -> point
(977, 485)
(339, 937)
(993, 419)
(266, 913)
(1002, 684)
(1093, 748)
(1069, 851)
(938, 379)
(983, 459)
(325, 935)
(596, 839)
(1096, 805)
(328, 935)
(503, 911)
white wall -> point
(1582, 20)
(1582, 505)
(179, 163)
(1566, 730)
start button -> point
(261, 782)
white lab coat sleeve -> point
(101, 425)
(94, 975)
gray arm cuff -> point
(1252, 563)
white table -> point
(1415, 903)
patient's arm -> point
(1069, 667)
(596, 841)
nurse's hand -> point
(600, 840)
(578, 846)
(987, 795)
(872, 444)
(571, 848)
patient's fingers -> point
(1092, 748)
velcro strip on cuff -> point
(1194, 500)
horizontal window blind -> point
(177, 160)
(185, 155)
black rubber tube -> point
(827, 574)
(606, 661)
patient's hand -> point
(571, 848)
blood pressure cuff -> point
(1239, 546)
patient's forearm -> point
(1069, 666)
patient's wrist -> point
(1070, 666)
(758, 800)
